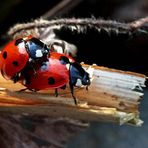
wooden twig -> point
(113, 95)
(80, 25)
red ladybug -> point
(17, 53)
(31, 62)
(49, 73)
(55, 72)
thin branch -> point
(48, 29)
(78, 25)
(139, 23)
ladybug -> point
(17, 53)
(55, 72)
(30, 62)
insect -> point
(17, 53)
(31, 62)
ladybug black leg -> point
(15, 78)
(56, 92)
(72, 92)
(87, 87)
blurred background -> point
(114, 53)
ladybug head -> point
(13, 58)
(78, 76)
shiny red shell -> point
(13, 58)
(51, 74)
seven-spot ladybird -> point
(17, 53)
(30, 61)
(54, 72)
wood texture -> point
(113, 95)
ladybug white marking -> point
(39, 53)
(21, 47)
(78, 83)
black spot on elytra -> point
(15, 63)
(64, 60)
(51, 81)
(18, 41)
(4, 54)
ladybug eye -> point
(15, 63)
(4, 54)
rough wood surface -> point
(113, 95)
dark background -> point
(114, 53)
